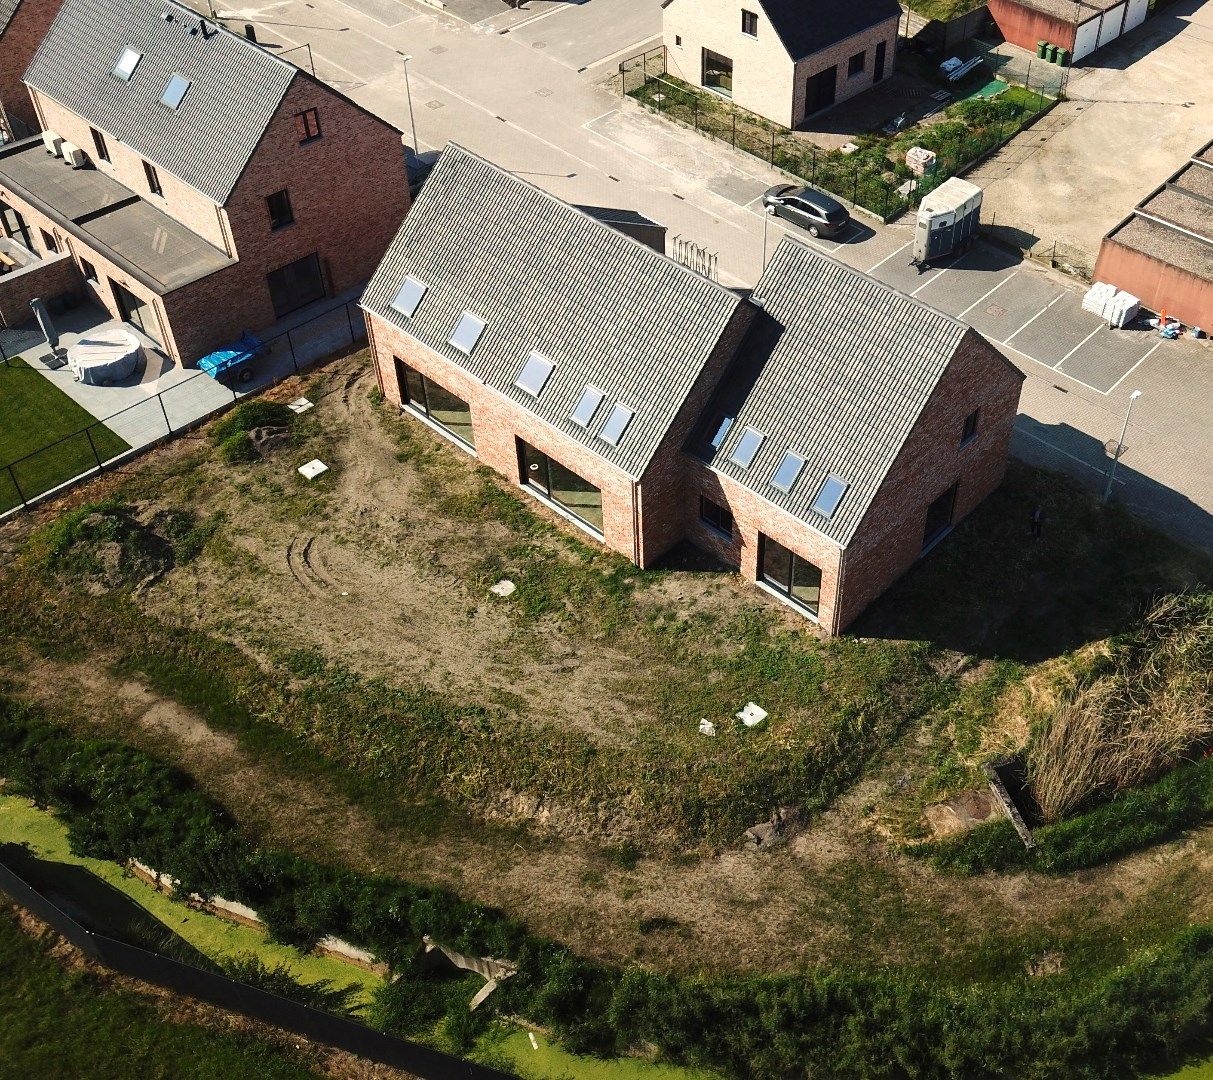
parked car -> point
(814, 210)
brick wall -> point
(846, 86)
(889, 539)
(1025, 26)
(17, 47)
(53, 277)
(1158, 284)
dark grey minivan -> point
(814, 210)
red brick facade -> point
(18, 43)
(642, 521)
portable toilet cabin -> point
(947, 219)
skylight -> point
(175, 91)
(587, 406)
(788, 472)
(616, 424)
(747, 447)
(726, 423)
(409, 297)
(829, 496)
(127, 62)
(467, 333)
(534, 374)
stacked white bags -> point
(1116, 307)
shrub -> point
(248, 415)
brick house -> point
(779, 58)
(819, 434)
(23, 24)
(202, 185)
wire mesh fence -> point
(181, 406)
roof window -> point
(175, 91)
(534, 374)
(616, 424)
(467, 333)
(788, 472)
(829, 496)
(722, 431)
(587, 406)
(409, 297)
(747, 448)
(127, 62)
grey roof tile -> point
(235, 86)
(607, 310)
(8, 8)
(806, 28)
(837, 368)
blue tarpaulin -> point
(222, 361)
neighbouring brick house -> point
(820, 434)
(23, 23)
(202, 185)
(783, 59)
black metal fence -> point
(865, 177)
(238, 997)
(133, 430)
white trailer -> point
(947, 219)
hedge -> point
(119, 803)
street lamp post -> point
(769, 212)
(408, 90)
(1120, 446)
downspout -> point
(842, 576)
(635, 523)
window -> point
(534, 374)
(716, 516)
(616, 424)
(747, 448)
(788, 574)
(127, 62)
(174, 92)
(103, 151)
(678, 40)
(717, 73)
(307, 123)
(279, 205)
(88, 270)
(587, 406)
(153, 178)
(788, 472)
(296, 285)
(749, 23)
(436, 403)
(578, 497)
(409, 297)
(467, 333)
(722, 431)
(939, 517)
(49, 243)
(969, 433)
(829, 496)
(856, 64)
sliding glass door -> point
(563, 486)
(786, 572)
(435, 402)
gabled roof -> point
(808, 26)
(235, 86)
(8, 8)
(837, 369)
(606, 310)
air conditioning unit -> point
(52, 142)
(74, 156)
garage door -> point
(295, 285)
(1136, 14)
(1085, 39)
(1112, 19)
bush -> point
(248, 415)
(325, 995)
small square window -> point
(829, 496)
(856, 64)
(467, 333)
(534, 374)
(174, 92)
(49, 243)
(747, 448)
(279, 205)
(970, 429)
(307, 123)
(88, 270)
(788, 472)
(127, 62)
(587, 406)
(678, 40)
(153, 178)
(103, 151)
(409, 296)
(717, 516)
(749, 23)
(616, 424)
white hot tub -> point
(105, 356)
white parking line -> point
(1149, 353)
(987, 295)
(1057, 366)
(789, 230)
(873, 269)
(1007, 341)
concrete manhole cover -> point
(543, 91)
(539, 44)
(996, 310)
(433, 104)
(437, 50)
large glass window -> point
(788, 573)
(718, 73)
(295, 285)
(560, 484)
(425, 396)
(939, 516)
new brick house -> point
(820, 433)
(202, 185)
(783, 59)
(23, 24)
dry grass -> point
(1138, 713)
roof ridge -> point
(547, 195)
(216, 25)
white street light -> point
(769, 212)
(409, 93)
(1120, 446)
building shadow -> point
(1163, 25)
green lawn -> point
(34, 414)
(550, 1062)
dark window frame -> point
(152, 175)
(932, 536)
(749, 23)
(545, 491)
(786, 592)
(971, 426)
(277, 220)
(852, 69)
(100, 145)
(716, 517)
(307, 125)
(49, 242)
(89, 271)
(297, 305)
(422, 407)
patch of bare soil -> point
(821, 897)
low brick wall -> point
(50, 277)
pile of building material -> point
(1115, 306)
(920, 160)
